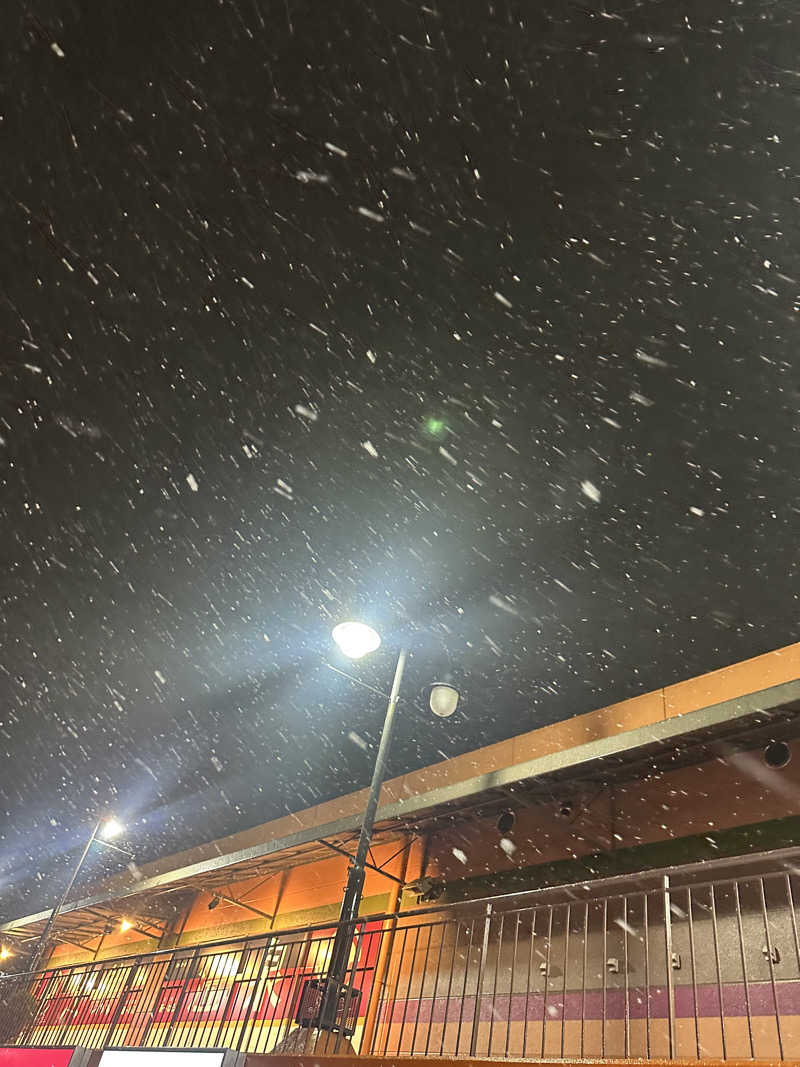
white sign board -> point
(160, 1058)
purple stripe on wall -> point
(533, 1006)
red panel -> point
(35, 1057)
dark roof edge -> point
(578, 756)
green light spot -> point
(435, 427)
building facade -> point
(620, 884)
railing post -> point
(41, 1003)
(383, 962)
(249, 1022)
(123, 997)
(189, 978)
(670, 979)
(487, 922)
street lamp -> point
(356, 639)
(104, 829)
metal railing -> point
(701, 970)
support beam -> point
(241, 904)
(566, 763)
(370, 866)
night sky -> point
(479, 320)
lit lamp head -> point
(5, 952)
(355, 639)
(443, 699)
(125, 925)
(111, 828)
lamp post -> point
(356, 639)
(100, 834)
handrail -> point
(586, 889)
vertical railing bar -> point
(510, 1011)
(54, 1026)
(57, 1026)
(494, 984)
(122, 1000)
(374, 940)
(189, 1017)
(382, 972)
(422, 993)
(149, 974)
(408, 990)
(464, 987)
(625, 966)
(117, 980)
(93, 1005)
(566, 968)
(295, 986)
(546, 974)
(645, 921)
(792, 912)
(159, 976)
(531, 979)
(473, 1043)
(457, 927)
(121, 1003)
(83, 1027)
(250, 1017)
(289, 987)
(182, 995)
(46, 1001)
(194, 1006)
(82, 1002)
(28, 1028)
(604, 967)
(744, 967)
(107, 1005)
(690, 917)
(771, 966)
(583, 977)
(670, 977)
(82, 1009)
(286, 988)
(359, 929)
(720, 994)
(292, 984)
(224, 1022)
(74, 1007)
(442, 928)
(381, 984)
(200, 997)
(241, 986)
(396, 990)
(210, 1028)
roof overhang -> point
(717, 730)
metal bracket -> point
(771, 955)
(613, 965)
(241, 904)
(370, 866)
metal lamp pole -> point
(337, 968)
(41, 948)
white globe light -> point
(444, 699)
(355, 639)
(111, 828)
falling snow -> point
(480, 322)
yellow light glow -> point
(5, 952)
(126, 924)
